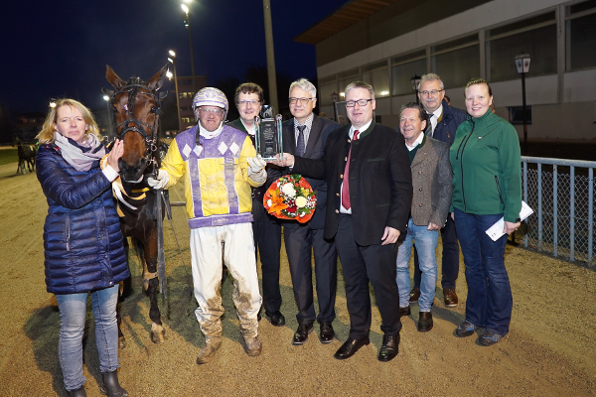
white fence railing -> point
(561, 192)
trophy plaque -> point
(268, 137)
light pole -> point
(270, 55)
(107, 99)
(522, 64)
(192, 58)
(415, 81)
(173, 56)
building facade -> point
(186, 93)
(461, 40)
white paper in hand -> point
(496, 231)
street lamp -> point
(173, 56)
(334, 98)
(415, 81)
(522, 64)
(192, 58)
(107, 99)
(52, 104)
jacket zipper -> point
(68, 232)
(499, 189)
(462, 147)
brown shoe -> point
(414, 295)
(212, 344)
(450, 296)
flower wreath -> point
(290, 197)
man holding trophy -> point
(266, 228)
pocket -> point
(499, 189)
(376, 159)
(67, 232)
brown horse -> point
(136, 106)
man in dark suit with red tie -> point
(305, 135)
(369, 192)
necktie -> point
(429, 130)
(345, 188)
(300, 145)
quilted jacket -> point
(82, 239)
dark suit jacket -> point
(315, 148)
(380, 181)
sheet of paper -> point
(496, 231)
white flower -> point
(288, 190)
(300, 202)
(269, 203)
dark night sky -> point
(60, 49)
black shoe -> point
(110, 386)
(404, 311)
(350, 347)
(327, 334)
(276, 318)
(80, 392)
(425, 322)
(301, 334)
(389, 348)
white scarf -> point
(79, 160)
(210, 134)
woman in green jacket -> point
(486, 162)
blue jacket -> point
(446, 128)
(82, 239)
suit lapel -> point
(315, 132)
(289, 136)
(421, 154)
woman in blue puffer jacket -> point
(84, 251)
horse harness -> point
(132, 123)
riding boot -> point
(212, 344)
(110, 386)
(80, 392)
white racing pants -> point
(239, 256)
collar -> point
(249, 130)
(210, 134)
(437, 113)
(417, 142)
(364, 130)
(307, 123)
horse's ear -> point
(113, 78)
(156, 81)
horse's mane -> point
(136, 81)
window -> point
(536, 36)
(404, 68)
(581, 36)
(457, 61)
(327, 86)
(346, 78)
(377, 75)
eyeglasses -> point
(303, 101)
(431, 92)
(360, 102)
(218, 112)
(252, 102)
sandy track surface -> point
(550, 350)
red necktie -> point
(345, 188)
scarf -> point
(81, 156)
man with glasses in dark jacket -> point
(444, 120)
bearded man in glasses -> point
(305, 135)
(369, 192)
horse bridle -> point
(131, 123)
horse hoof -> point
(158, 333)
(121, 342)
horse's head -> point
(136, 106)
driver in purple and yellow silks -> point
(220, 166)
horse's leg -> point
(151, 282)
